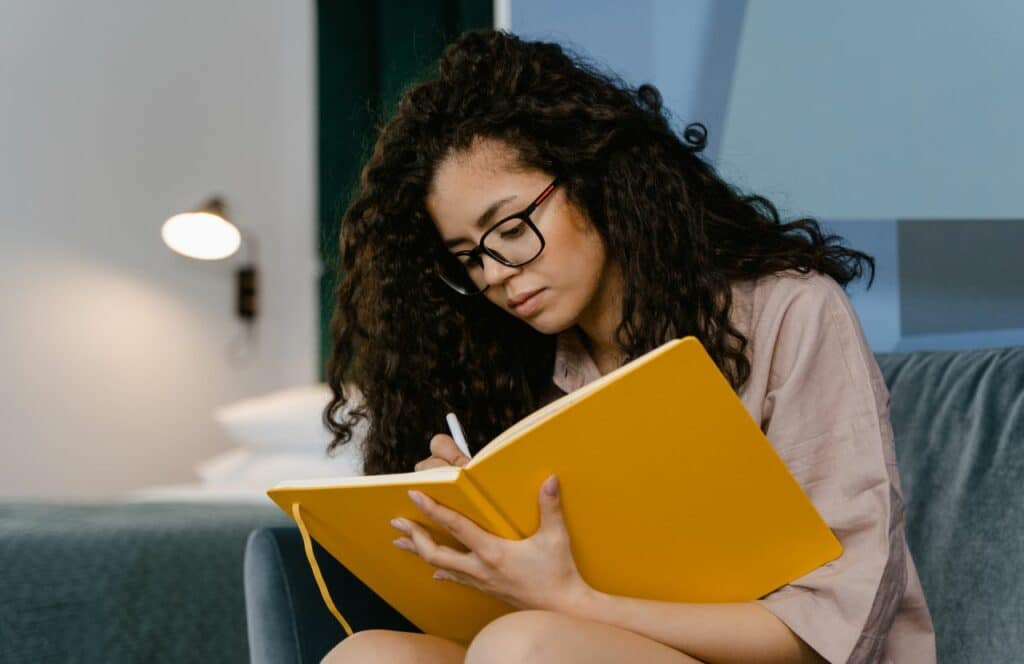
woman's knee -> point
(385, 645)
(360, 646)
(520, 636)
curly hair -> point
(415, 349)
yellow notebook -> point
(669, 488)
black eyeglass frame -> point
(524, 215)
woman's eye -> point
(469, 261)
(514, 232)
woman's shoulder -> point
(771, 299)
(807, 353)
(788, 284)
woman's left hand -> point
(538, 572)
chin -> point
(542, 328)
(549, 320)
(546, 323)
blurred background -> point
(132, 371)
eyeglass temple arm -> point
(543, 195)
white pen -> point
(458, 434)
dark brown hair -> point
(416, 350)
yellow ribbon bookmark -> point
(308, 544)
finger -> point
(455, 577)
(442, 445)
(463, 529)
(431, 462)
(440, 555)
(551, 516)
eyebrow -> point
(481, 221)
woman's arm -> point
(735, 632)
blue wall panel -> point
(692, 49)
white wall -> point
(114, 115)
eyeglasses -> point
(512, 241)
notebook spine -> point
(503, 526)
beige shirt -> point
(821, 400)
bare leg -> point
(547, 636)
(394, 647)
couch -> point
(958, 418)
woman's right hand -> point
(443, 452)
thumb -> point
(551, 504)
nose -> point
(496, 272)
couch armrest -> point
(287, 620)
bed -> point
(156, 574)
(148, 580)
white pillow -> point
(240, 468)
(286, 420)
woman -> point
(526, 224)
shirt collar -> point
(574, 367)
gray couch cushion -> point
(288, 621)
(958, 419)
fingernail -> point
(417, 498)
(402, 543)
(551, 486)
(441, 576)
(400, 524)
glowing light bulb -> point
(201, 235)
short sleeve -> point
(826, 412)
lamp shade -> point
(204, 234)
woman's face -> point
(570, 273)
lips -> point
(530, 304)
(515, 302)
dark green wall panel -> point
(367, 53)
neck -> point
(601, 319)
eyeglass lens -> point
(512, 242)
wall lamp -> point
(205, 233)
